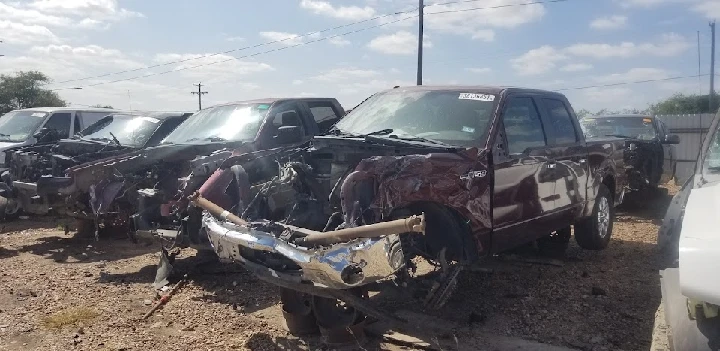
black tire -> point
(85, 228)
(590, 233)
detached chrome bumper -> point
(338, 266)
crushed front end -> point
(344, 214)
(369, 254)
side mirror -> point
(671, 139)
(46, 135)
(289, 135)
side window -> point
(76, 123)
(523, 128)
(89, 118)
(561, 122)
(164, 130)
(324, 115)
(286, 116)
(60, 122)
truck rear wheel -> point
(593, 233)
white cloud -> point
(634, 75)
(399, 43)
(648, 3)
(343, 12)
(576, 67)
(612, 22)
(234, 39)
(297, 82)
(92, 55)
(709, 8)
(288, 39)
(479, 70)
(345, 74)
(670, 45)
(220, 67)
(615, 97)
(30, 16)
(339, 41)
(25, 34)
(97, 9)
(465, 19)
(538, 61)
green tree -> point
(680, 104)
(24, 90)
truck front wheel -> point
(593, 233)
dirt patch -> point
(589, 300)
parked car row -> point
(328, 205)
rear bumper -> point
(338, 266)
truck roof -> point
(55, 109)
(623, 116)
(157, 115)
(485, 89)
(272, 100)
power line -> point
(491, 7)
(633, 82)
(296, 45)
(245, 56)
(239, 49)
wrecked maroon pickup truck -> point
(145, 191)
(447, 174)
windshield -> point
(631, 127)
(221, 123)
(126, 130)
(454, 117)
(18, 126)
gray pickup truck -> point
(650, 150)
(145, 191)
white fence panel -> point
(691, 129)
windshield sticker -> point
(468, 129)
(263, 107)
(150, 119)
(38, 114)
(478, 97)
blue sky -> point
(560, 45)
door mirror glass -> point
(671, 139)
(46, 135)
(288, 135)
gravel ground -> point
(58, 293)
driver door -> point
(524, 176)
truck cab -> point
(40, 125)
(650, 150)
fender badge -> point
(473, 175)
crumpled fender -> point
(459, 181)
(102, 195)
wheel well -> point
(609, 182)
(445, 227)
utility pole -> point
(699, 64)
(199, 93)
(711, 97)
(420, 42)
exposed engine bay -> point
(343, 214)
